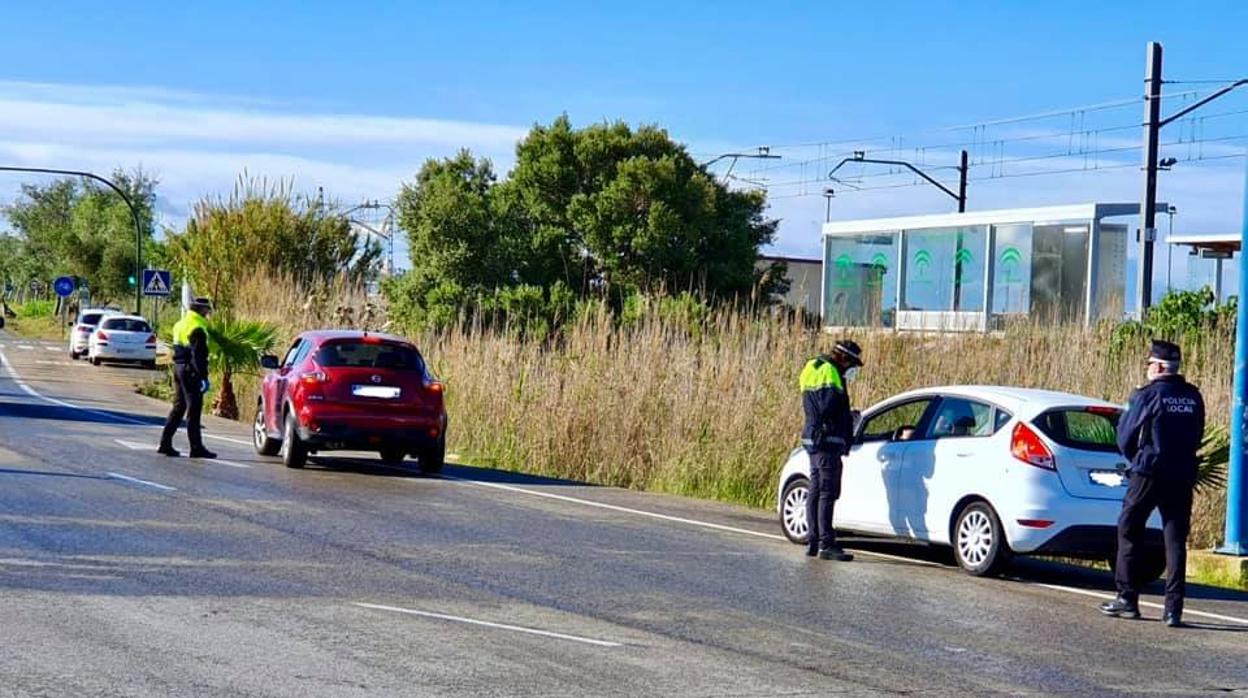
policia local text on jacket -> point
(1160, 434)
(190, 376)
(826, 436)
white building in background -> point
(972, 271)
(804, 274)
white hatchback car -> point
(990, 471)
(123, 338)
(84, 327)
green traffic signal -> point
(130, 280)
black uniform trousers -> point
(189, 402)
(825, 489)
(1174, 499)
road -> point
(125, 573)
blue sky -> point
(353, 96)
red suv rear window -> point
(377, 355)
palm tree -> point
(1215, 450)
(236, 346)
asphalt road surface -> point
(126, 573)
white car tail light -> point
(1027, 446)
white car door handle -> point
(965, 454)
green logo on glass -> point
(922, 260)
(962, 258)
(879, 267)
(843, 265)
(1011, 258)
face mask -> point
(851, 375)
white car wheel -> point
(793, 510)
(978, 543)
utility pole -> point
(1153, 123)
(1148, 207)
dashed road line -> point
(136, 446)
(492, 625)
(137, 481)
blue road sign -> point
(157, 282)
(64, 286)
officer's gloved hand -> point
(205, 386)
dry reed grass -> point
(713, 412)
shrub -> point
(36, 309)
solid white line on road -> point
(136, 446)
(226, 438)
(26, 347)
(137, 481)
(666, 517)
(1149, 604)
(488, 624)
(869, 553)
(17, 378)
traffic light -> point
(131, 280)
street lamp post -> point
(134, 214)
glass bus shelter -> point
(972, 271)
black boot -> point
(835, 553)
(168, 450)
(1174, 620)
(1121, 608)
(202, 452)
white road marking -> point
(488, 624)
(17, 378)
(26, 347)
(776, 536)
(136, 446)
(137, 481)
(52, 348)
(226, 438)
(666, 517)
(1149, 604)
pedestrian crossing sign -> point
(157, 282)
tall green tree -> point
(82, 228)
(603, 207)
(269, 228)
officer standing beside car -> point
(1160, 435)
(190, 379)
(826, 436)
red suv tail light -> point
(314, 378)
(1027, 446)
(101, 336)
(151, 341)
(434, 387)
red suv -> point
(350, 390)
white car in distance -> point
(83, 328)
(991, 471)
(123, 338)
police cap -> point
(849, 349)
(1167, 352)
(201, 305)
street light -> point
(134, 214)
(828, 194)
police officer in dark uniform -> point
(1160, 434)
(827, 435)
(190, 379)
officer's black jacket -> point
(1162, 429)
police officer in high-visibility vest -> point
(190, 379)
(1160, 434)
(827, 436)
